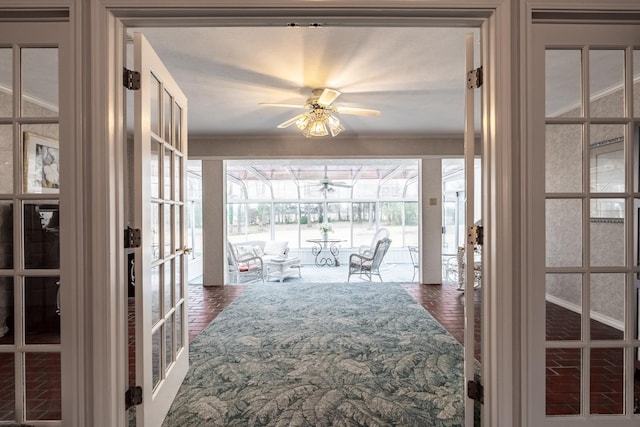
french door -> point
(35, 165)
(160, 146)
(585, 178)
(470, 242)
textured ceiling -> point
(415, 76)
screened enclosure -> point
(287, 200)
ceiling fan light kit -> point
(316, 122)
(319, 120)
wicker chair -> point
(367, 250)
(245, 267)
(369, 265)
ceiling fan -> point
(326, 185)
(319, 117)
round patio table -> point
(326, 251)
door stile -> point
(469, 169)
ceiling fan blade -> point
(268, 104)
(340, 184)
(328, 96)
(357, 111)
(290, 121)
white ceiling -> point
(415, 76)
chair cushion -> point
(276, 248)
(258, 251)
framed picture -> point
(41, 164)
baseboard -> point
(594, 316)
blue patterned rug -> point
(355, 354)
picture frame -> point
(41, 164)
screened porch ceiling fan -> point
(319, 115)
(326, 185)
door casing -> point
(108, 22)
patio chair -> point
(414, 252)
(369, 266)
(367, 250)
(244, 267)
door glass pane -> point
(178, 278)
(155, 295)
(6, 319)
(41, 235)
(563, 307)
(169, 348)
(177, 238)
(607, 381)
(6, 80)
(607, 306)
(155, 231)
(6, 234)
(636, 83)
(42, 383)
(156, 354)
(168, 286)
(167, 174)
(636, 233)
(563, 79)
(564, 233)
(636, 378)
(606, 159)
(635, 149)
(607, 232)
(179, 327)
(177, 127)
(177, 184)
(563, 158)
(154, 95)
(41, 310)
(7, 385)
(6, 157)
(155, 169)
(606, 83)
(167, 117)
(41, 158)
(39, 82)
(168, 229)
(563, 381)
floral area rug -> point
(358, 354)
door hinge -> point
(474, 78)
(476, 235)
(132, 238)
(131, 79)
(475, 391)
(133, 396)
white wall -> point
(431, 245)
(213, 241)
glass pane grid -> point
(599, 184)
(30, 302)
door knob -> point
(187, 250)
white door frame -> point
(107, 133)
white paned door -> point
(584, 180)
(162, 348)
